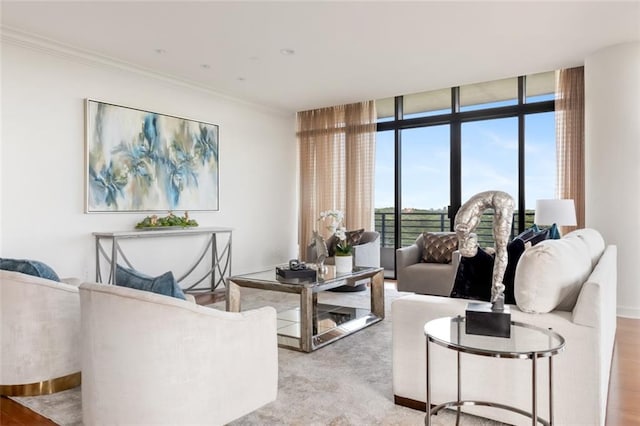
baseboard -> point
(628, 312)
(410, 403)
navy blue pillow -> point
(526, 234)
(474, 277)
(537, 237)
(514, 250)
(30, 267)
(164, 284)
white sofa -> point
(153, 359)
(575, 279)
(39, 334)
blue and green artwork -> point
(145, 161)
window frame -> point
(455, 119)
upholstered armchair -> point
(150, 358)
(39, 335)
(435, 276)
(366, 253)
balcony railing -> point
(414, 223)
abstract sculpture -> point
(467, 219)
(318, 243)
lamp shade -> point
(560, 212)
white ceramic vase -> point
(344, 263)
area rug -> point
(348, 382)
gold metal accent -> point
(42, 388)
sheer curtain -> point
(570, 139)
(337, 155)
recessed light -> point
(161, 51)
(205, 66)
(287, 52)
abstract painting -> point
(144, 161)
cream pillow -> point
(550, 275)
(593, 240)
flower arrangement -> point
(335, 217)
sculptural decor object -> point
(320, 246)
(480, 320)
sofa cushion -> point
(549, 275)
(474, 277)
(164, 284)
(29, 267)
(438, 248)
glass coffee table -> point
(313, 325)
(526, 342)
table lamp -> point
(556, 211)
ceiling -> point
(344, 51)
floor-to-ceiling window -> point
(436, 149)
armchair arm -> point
(367, 254)
(406, 256)
(71, 281)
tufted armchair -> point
(420, 277)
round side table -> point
(526, 342)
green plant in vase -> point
(170, 220)
(343, 248)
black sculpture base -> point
(480, 319)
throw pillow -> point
(164, 284)
(554, 232)
(514, 250)
(438, 248)
(474, 277)
(527, 233)
(29, 267)
(538, 237)
(550, 275)
(354, 237)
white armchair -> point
(155, 359)
(39, 335)
(366, 253)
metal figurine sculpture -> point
(468, 218)
(320, 247)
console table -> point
(220, 259)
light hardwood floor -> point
(624, 387)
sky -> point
(489, 162)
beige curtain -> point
(570, 139)
(337, 155)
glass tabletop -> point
(526, 340)
(327, 277)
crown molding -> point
(51, 47)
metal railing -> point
(414, 223)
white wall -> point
(612, 133)
(42, 163)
